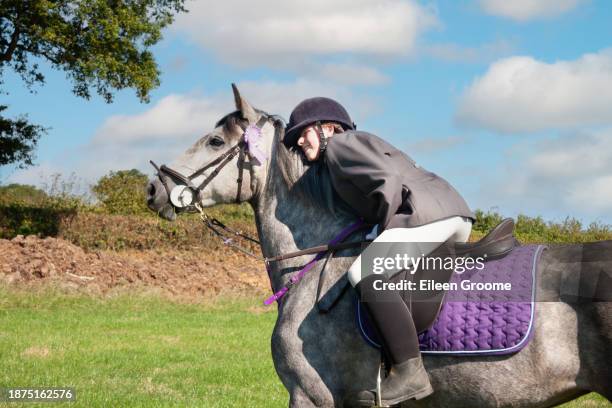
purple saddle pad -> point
(481, 322)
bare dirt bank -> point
(188, 275)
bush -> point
(25, 220)
(22, 193)
(25, 209)
(486, 221)
(122, 192)
(536, 230)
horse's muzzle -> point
(158, 200)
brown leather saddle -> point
(498, 243)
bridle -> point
(248, 144)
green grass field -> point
(142, 351)
(139, 352)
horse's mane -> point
(311, 180)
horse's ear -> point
(243, 106)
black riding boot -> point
(392, 320)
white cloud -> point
(289, 32)
(595, 195)
(574, 157)
(168, 127)
(569, 175)
(523, 10)
(174, 117)
(521, 94)
(581, 164)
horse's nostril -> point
(151, 189)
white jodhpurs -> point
(420, 240)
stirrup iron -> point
(378, 390)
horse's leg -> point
(298, 399)
(305, 387)
(321, 358)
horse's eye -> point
(216, 142)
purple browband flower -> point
(252, 137)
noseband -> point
(248, 143)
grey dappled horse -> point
(321, 358)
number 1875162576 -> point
(14, 394)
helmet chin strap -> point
(322, 138)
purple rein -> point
(346, 232)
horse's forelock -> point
(231, 125)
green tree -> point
(102, 45)
(122, 192)
(17, 140)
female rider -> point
(404, 202)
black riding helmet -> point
(313, 110)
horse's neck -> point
(286, 223)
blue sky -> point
(509, 101)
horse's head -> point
(227, 165)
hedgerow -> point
(115, 216)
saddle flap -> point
(330, 298)
(328, 290)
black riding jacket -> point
(385, 186)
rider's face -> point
(309, 140)
(309, 143)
